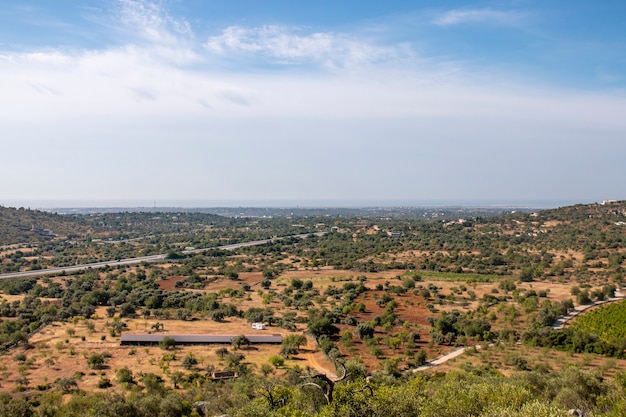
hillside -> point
(380, 295)
(19, 226)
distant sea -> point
(287, 203)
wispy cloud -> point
(290, 45)
(43, 89)
(148, 31)
(51, 57)
(235, 98)
(143, 94)
(153, 22)
(500, 17)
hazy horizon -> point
(285, 203)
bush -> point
(276, 361)
(365, 330)
(167, 343)
(96, 361)
(190, 361)
(125, 376)
(104, 383)
(420, 357)
(376, 351)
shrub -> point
(276, 361)
(167, 343)
(96, 361)
(125, 376)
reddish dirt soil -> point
(169, 284)
(411, 310)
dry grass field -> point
(503, 358)
(61, 350)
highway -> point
(151, 258)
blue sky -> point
(302, 102)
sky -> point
(311, 102)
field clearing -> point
(16, 248)
(552, 223)
(502, 357)
(11, 298)
(62, 349)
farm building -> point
(196, 339)
(223, 375)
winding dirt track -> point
(318, 361)
(561, 322)
(558, 324)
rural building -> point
(223, 375)
(196, 339)
(41, 232)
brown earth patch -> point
(60, 350)
(169, 283)
(411, 310)
(501, 357)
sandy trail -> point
(318, 361)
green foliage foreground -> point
(456, 394)
(606, 321)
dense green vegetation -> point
(456, 394)
(607, 322)
(532, 245)
(579, 246)
(16, 226)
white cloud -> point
(152, 21)
(456, 17)
(161, 109)
(127, 83)
(283, 44)
(51, 57)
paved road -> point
(151, 258)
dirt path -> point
(313, 360)
(558, 324)
(442, 359)
(564, 321)
(316, 359)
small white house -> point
(258, 326)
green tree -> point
(238, 341)
(167, 343)
(221, 352)
(276, 361)
(154, 384)
(176, 378)
(322, 326)
(125, 376)
(365, 330)
(190, 361)
(291, 344)
(96, 361)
